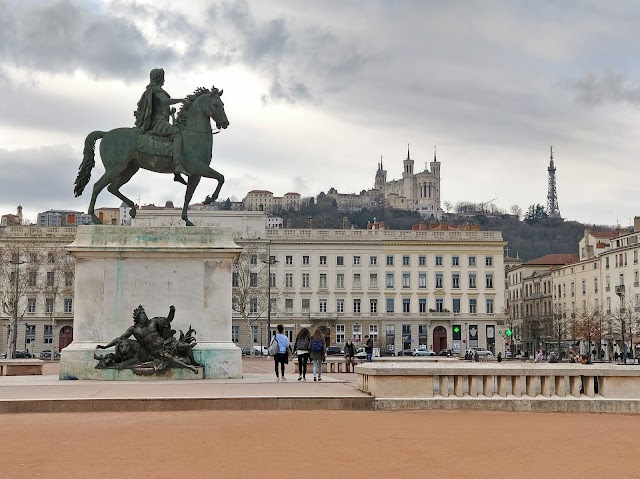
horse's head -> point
(215, 108)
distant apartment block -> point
(56, 218)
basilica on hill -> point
(415, 191)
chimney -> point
(636, 223)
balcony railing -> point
(620, 289)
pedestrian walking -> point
(476, 357)
(282, 356)
(539, 357)
(552, 357)
(302, 347)
(318, 353)
(499, 357)
(368, 348)
(616, 356)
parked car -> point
(386, 352)
(246, 351)
(3, 355)
(334, 351)
(423, 352)
(18, 354)
(446, 352)
(46, 354)
(481, 351)
(405, 352)
(508, 354)
(260, 350)
(360, 354)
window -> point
(340, 333)
(422, 305)
(234, 280)
(254, 333)
(422, 260)
(356, 260)
(455, 305)
(406, 280)
(373, 280)
(606, 263)
(472, 280)
(31, 305)
(472, 305)
(51, 258)
(51, 275)
(31, 279)
(305, 280)
(488, 260)
(489, 280)
(253, 305)
(323, 280)
(373, 260)
(253, 259)
(406, 305)
(438, 260)
(288, 280)
(272, 280)
(340, 281)
(322, 305)
(373, 306)
(390, 332)
(235, 334)
(439, 305)
(323, 260)
(356, 280)
(405, 261)
(305, 305)
(455, 280)
(584, 286)
(490, 306)
(472, 260)
(48, 305)
(389, 280)
(389, 260)
(253, 280)
(357, 332)
(455, 261)
(48, 334)
(288, 305)
(305, 260)
(30, 333)
(595, 284)
(340, 306)
(340, 260)
(439, 280)
(390, 305)
(373, 331)
(357, 306)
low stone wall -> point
(533, 386)
(21, 367)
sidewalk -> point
(258, 389)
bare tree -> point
(252, 286)
(60, 271)
(624, 320)
(447, 206)
(590, 325)
(516, 211)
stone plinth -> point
(119, 268)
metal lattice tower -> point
(552, 197)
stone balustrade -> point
(447, 382)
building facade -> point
(55, 218)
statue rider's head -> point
(157, 76)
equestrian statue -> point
(155, 144)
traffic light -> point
(506, 343)
(457, 334)
(509, 333)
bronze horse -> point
(122, 158)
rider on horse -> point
(152, 116)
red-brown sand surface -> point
(319, 444)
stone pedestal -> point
(121, 267)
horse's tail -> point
(88, 162)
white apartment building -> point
(407, 289)
(263, 200)
(45, 284)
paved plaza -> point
(288, 443)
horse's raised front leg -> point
(191, 187)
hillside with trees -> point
(534, 236)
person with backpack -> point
(318, 353)
(301, 346)
(350, 356)
(282, 356)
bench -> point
(335, 364)
(21, 367)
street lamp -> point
(620, 294)
(26, 331)
(269, 262)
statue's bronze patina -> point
(154, 144)
(154, 348)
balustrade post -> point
(487, 386)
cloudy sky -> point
(316, 91)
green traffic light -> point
(456, 329)
(509, 332)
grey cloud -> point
(610, 87)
